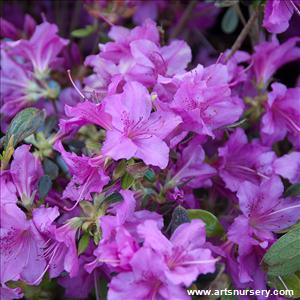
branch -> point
(240, 39)
(184, 19)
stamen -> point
(283, 209)
(74, 85)
(199, 262)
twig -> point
(240, 14)
(239, 41)
(184, 19)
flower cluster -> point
(150, 173)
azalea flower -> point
(203, 99)
(282, 114)
(146, 281)
(278, 14)
(136, 131)
(270, 56)
(241, 161)
(264, 212)
(41, 49)
(184, 254)
(88, 175)
(20, 245)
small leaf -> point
(293, 190)
(237, 124)
(113, 198)
(284, 283)
(213, 226)
(88, 208)
(283, 258)
(45, 185)
(179, 217)
(50, 168)
(120, 170)
(230, 20)
(137, 170)
(150, 175)
(25, 123)
(127, 181)
(225, 3)
(83, 243)
(84, 32)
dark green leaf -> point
(213, 226)
(113, 198)
(25, 123)
(137, 170)
(45, 185)
(283, 258)
(127, 181)
(179, 217)
(83, 243)
(290, 282)
(230, 20)
(293, 190)
(120, 170)
(50, 168)
(225, 3)
(150, 175)
(84, 32)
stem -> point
(240, 14)
(184, 19)
(240, 39)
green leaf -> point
(88, 208)
(213, 226)
(137, 170)
(120, 170)
(83, 243)
(225, 3)
(293, 190)
(113, 198)
(45, 185)
(283, 258)
(150, 175)
(84, 32)
(127, 181)
(50, 168)
(25, 123)
(282, 283)
(230, 20)
(179, 217)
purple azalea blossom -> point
(204, 100)
(136, 131)
(20, 245)
(119, 49)
(190, 167)
(270, 56)
(282, 114)
(146, 281)
(25, 171)
(241, 161)
(41, 49)
(184, 254)
(263, 213)
(116, 252)
(82, 114)
(88, 175)
(288, 166)
(278, 14)
(59, 250)
(18, 87)
(82, 284)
